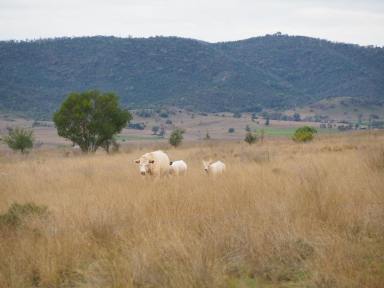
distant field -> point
(196, 125)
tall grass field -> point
(283, 215)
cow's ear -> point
(137, 161)
(151, 161)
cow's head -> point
(206, 165)
(144, 165)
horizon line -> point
(276, 34)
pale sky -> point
(359, 22)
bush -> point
(18, 212)
(304, 134)
(296, 117)
(19, 139)
(231, 130)
(176, 137)
(250, 138)
(237, 115)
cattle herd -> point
(157, 163)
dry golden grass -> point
(283, 215)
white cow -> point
(178, 167)
(214, 168)
(154, 163)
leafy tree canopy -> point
(90, 119)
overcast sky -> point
(353, 21)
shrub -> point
(296, 117)
(237, 115)
(18, 212)
(19, 139)
(304, 134)
(176, 137)
(231, 130)
(250, 138)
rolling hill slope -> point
(274, 71)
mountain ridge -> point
(273, 71)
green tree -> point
(176, 137)
(90, 119)
(247, 128)
(19, 139)
(231, 130)
(266, 121)
(304, 134)
(250, 138)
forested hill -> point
(274, 71)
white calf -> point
(178, 167)
(214, 168)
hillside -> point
(274, 71)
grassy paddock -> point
(283, 215)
